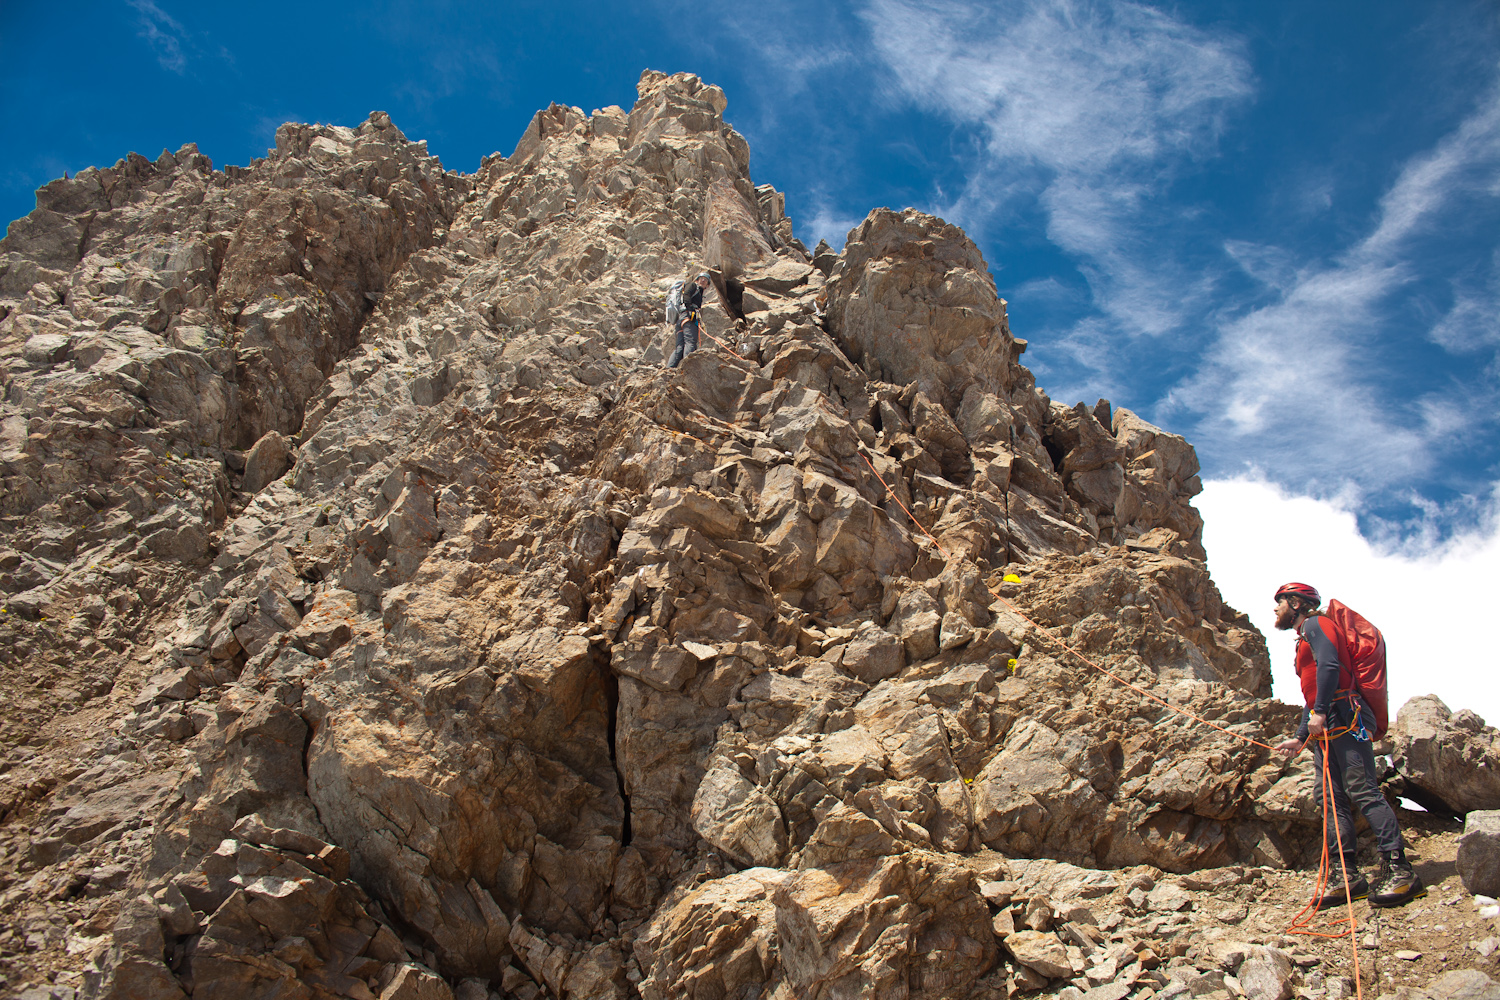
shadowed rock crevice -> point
(611, 688)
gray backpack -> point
(675, 308)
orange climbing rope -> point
(1106, 672)
(721, 343)
(1302, 922)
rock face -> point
(156, 317)
(1479, 853)
(429, 637)
(1447, 760)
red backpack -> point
(1362, 652)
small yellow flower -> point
(1012, 578)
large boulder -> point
(1042, 953)
(1461, 984)
(1266, 974)
(912, 300)
(267, 461)
(1479, 852)
(738, 818)
(1451, 756)
(907, 926)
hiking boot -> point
(1397, 885)
(1358, 889)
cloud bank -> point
(1432, 602)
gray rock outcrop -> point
(1449, 759)
(1479, 852)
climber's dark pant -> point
(687, 342)
(1353, 765)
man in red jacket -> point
(1338, 721)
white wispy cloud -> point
(1302, 383)
(1079, 86)
(1045, 289)
(164, 33)
(1473, 322)
(1082, 376)
(1465, 160)
(1089, 108)
(826, 224)
(1274, 267)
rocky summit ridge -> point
(382, 619)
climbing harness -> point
(1356, 725)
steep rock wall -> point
(548, 656)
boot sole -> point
(1391, 903)
(1356, 896)
(1340, 902)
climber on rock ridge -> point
(1334, 720)
(684, 305)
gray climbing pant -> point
(687, 342)
(1353, 765)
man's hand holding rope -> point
(1317, 725)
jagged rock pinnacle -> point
(419, 631)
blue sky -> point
(1272, 226)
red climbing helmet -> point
(1298, 590)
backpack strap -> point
(1315, 613)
